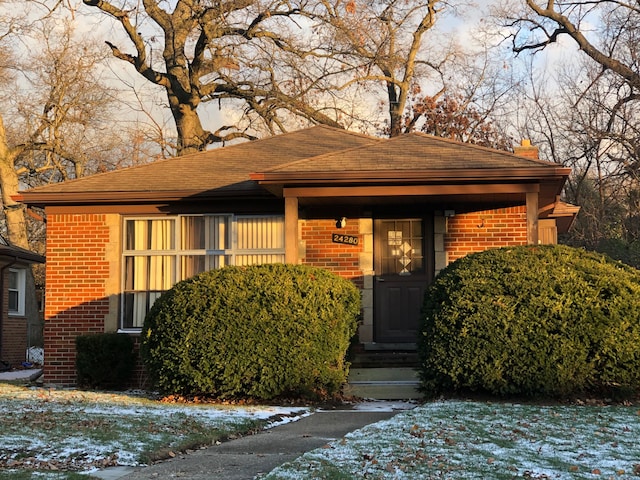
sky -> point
(89, 23)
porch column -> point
(532, 218)
(291, 230)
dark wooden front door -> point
(402, 266)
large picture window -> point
(158, 252)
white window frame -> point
(19, 289)
(225, 256)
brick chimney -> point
(525, 149)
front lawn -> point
(44, 430)
(487, 440)
(60, 432)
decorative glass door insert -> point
(402, 252)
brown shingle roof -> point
(314, 154)
(414, 151)
(223, 169)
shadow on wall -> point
(92, 317)
(61, 330)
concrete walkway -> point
(247, 457)
(20, 376)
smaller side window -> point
(16, 291)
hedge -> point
(538, 320)
(104, 360)
(260, 331)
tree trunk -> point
(395, 109)
(9, 184)
(192, 137)
(16, 222)
(395, 121)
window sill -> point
(130, 331)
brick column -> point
(532, 218)
(291, 236)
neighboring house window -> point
(158, 252)
(17, 281)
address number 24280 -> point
(347, 239)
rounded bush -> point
(538, 320)
(105, 360)
(255, 332)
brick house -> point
(19, 317)
(386, 213)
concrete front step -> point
(384, 355)
(383, 383)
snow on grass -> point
(80, 431)
(470, 439)
(76, 430)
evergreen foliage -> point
(626, 252)
(538, 320)
(105, 360)
(259, 332)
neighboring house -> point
(19, 318)
(386, 213)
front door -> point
(402, 272)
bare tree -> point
(384, 43)
(55, 109)
(63, 105)
(204, 51)
(608, 32)
(593, 121)
(613, 46)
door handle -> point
(379, 279)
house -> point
(387, 213)
(19, 318)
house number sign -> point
(346, 239)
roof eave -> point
(102, 198)
(20, 254)
(398, 176)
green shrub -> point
(260, 332)
(539, 320)
(104, 360)
(626, 252)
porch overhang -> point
(405, 176)
(531, 186)
(497, 185)
(408, 190)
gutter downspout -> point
(2, 270)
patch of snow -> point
(40, 442)
(384, 406)
(459, 439)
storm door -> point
(402, 272)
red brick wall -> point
(14, 332)
(75, 303)
(478, 231)
(321, 251)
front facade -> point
(387, 214)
